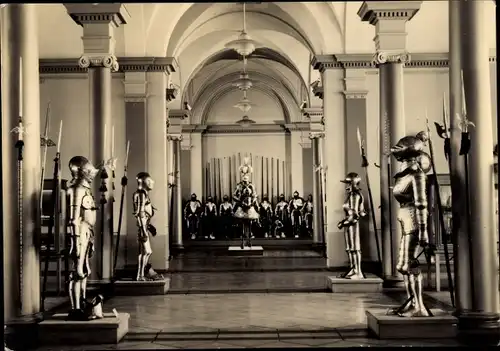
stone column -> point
(461, 248)
(156, 162)
(196, 164)
(335, 162)
(177, 239)
(20, 63)
(99, 22)
(389, 19)
(482, 322)
(297, 163)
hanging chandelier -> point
(244, 45)
(245, 121)
(244, 82)
(244, 104)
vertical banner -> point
(277, 178)
(267, 179)
(285, 183)
(272, 180)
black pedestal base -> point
(479, 329)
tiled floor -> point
(286, 320)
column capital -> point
(355, 94)
(388, 56)
(324, 62)
(316, 135)
(135, 87)
(114, 14)
(96, 60)
(355, 83)
(174, 137)
(315, 114)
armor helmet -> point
(144, 179)
(81, 168)
(408, 147)
(352, 178)
(282, 197)
(210, 199)
(225, 198)
(193, 197)
(310, 197)
(295, 194)
(265, 197)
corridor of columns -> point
(295, 95)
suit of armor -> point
(245, 197)
(143, 212)
(226, 217)
(281, 215)
(192, 215)
(410, 192)
(307, 211)
(266, 216)
(295, 208)
(82, 219)
(210, 216)
(354, 209)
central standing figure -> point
(245, 198)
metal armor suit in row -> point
(295, 208)
(143, 212)
(192, 215)
(82, 219)
(281, 215)
(226, 216)
(245, 197)
(210, 214)
(266, 216)
(354, 209)
(410, 191)
(308, 214)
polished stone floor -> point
(251, 320)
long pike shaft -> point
(372, 213)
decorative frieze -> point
(355, 94)
(315, 115)
(112, 13)
(256, 128)
(374, 11)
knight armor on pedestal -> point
(143, 212)
(281, 216)
(192, 216)
(354, 210)
(210, 219)
(266, 216)
(307, 211)
(410, 192)
(245, 197)
(295, 208)
(82, 219)
(226, 217)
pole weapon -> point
(112, 166)
(124, 182)
(55, 202)
(465, 144)
(364, 164)
(45, 142)
(440, 212)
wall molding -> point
(70, 67)
(236, 129)
(126, 64)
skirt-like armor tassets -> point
(251, 213)
(409, 244)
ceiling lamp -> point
(244, 45)
(244, 104)
(245, 121)
(244, 82)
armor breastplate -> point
(211, 208)
(297, 203)
(226, 209)
(309, 206)
(403, 190)
(266, 205)
(88, 209)
(347, 203)
(280, 206)
(194, 206)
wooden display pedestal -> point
(441, 326)
(130, 287)
(246, 251)
(56, 330)
(371, 284)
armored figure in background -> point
(143, 212)
(266, 216)
(245, 197)
(307, 211)
(410, 191)
(295, 208)
(82, 218)
(354, 209)
(281, 215)
(210, 219)
(192, 216)
(226, 217)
